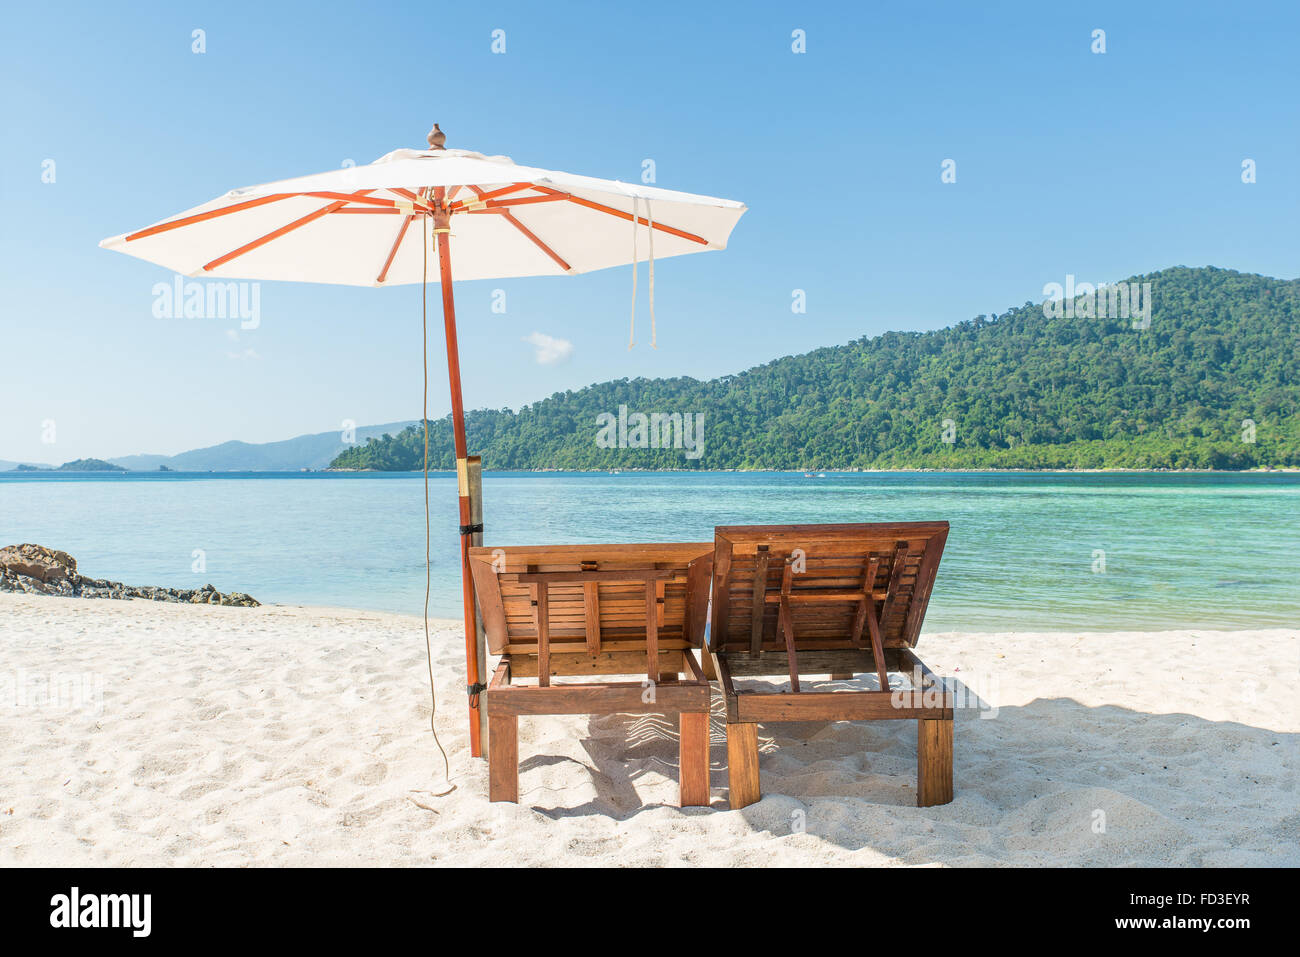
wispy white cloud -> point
(549, 350)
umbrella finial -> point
(437, 138)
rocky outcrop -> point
(37, 561)
(37, 570)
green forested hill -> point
(1020, 390)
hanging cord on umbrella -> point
(428, 566)
(631, 336)
(650, 265)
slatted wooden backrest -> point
(595, 597)
(823, 570)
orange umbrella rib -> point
(525, 201)
(210, 214)
(510, 218)
(421, 199)
(621, 215)
(392, 253)
(362, 198)
(514, 188)
(373, 210)
(276, 234)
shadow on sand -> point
(1050, 782)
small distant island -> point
(90, 465)
(77, 465)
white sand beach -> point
(299, 736)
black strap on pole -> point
(475, 529)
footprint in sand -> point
(371, 774)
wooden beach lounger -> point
(827, 599)
(596, 610)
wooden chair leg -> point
(742, 764)
(693, 751)
(706, 663)
(933, 762)
(503, 757)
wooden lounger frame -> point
(841, 600)
(596, 610)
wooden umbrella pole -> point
(442, 229)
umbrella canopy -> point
(351, 226)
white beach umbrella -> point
(352, 226)
(375, 226)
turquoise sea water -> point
(1211, 550)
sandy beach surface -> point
(146, 733)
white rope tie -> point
(631, 336)
(650, 265)
(428, 563)
(650, 219)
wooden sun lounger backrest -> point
(822, 575)
(562, 599)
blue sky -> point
(1067, 161)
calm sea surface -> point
(1025, 551)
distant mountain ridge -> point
(311, 451)
(1208, 376)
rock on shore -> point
(38, 570)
